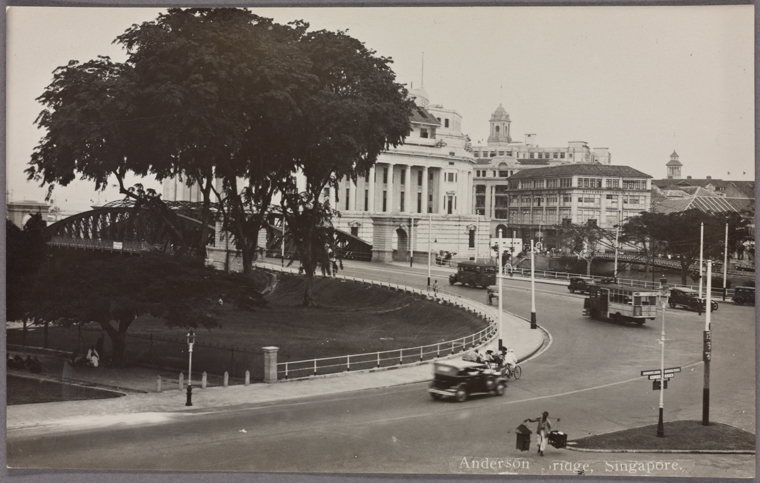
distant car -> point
(580, 284)
(460, 379)
(744, 295)
(493, 294)
(688, 298)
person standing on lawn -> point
(542, 431)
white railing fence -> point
(394, 357)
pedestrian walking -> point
(435, 287)
(542, 431)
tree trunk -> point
(588, 266)
(307, 299)
(205, 217)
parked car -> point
(580, 284)
(688, 298)
(461, 379)
(474, 274)
(493, 294)
(744, 295)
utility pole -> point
(725, 262)
(411, 246)
(701, 244)
(430, 246)
(617, 236)
(532, 289)
(707, 353)
(501, 296)
(283, 240)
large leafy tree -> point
(646, 231)
(681, 233)
(26, 253)
(352, 112)
(585, 241)
(178, 290)
(223, 87)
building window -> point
(509, 153)
(566, 199)
(538, 183)
(326, 193)
(552, 183)
(526, 200)
(385, 176)
(493, 154)
(451, 177)
(476, 154)
(612, 199)
(531, 155)
(419, 202)
(633, 184)
(501, 153)
(366, 200)
(472, 238)
(566, 182)
(355, 230)
(424, 133)
(562, 155)
(419, 178)
(348, 198)
(538, 200)
(446, 122)
(450, 204)
(430, 174)
(385, 200)
(403, 176)
(401, 203)
(612, 183)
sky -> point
(641, 81)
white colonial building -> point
(418, 192)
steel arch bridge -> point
(119, 226)
(122, 227)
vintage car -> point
(744, 295)
(460, 379)
(688, 298)
(474, 274)
(580, 284)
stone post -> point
(226, 378)
(158, 382)
(204, 380)
(270, 363)
(181, 381)
(247, 378)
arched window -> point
(497, 129)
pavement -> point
(142, 403)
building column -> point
(389, 194)
(371, 188)
(408, 201)
(425, 190)
(351, 187)
(331, 197)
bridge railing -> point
(395, 357)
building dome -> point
(500, 114)
(674, 162)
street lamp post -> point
(282, 263)
(190, 342)
(430, 246)
(499, 275)
(617, 237)
(411, 246)
(664, 303)
(532, 288)
(725, 262)
(701, 244)
(707, 349)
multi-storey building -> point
(540, 200)
(423, 186)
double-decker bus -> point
(620, 304)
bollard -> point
(204, 380)
(181, 381)
(158, 382)
(270, 364)
(226, 378)
(247, 378)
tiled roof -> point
(747, 188)
(707, 204)
(581, 170)
(420, 115)
(534, 162)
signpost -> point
(664, 301)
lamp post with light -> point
(664, 303)
(190, 342)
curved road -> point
(589, 376)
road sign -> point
(656, 385)
(669, 370)
(657, 377)
(672, 370)
(649, 373)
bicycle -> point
(516, 373)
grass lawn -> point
(348, 318)
(679, 435)
(22, 390)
